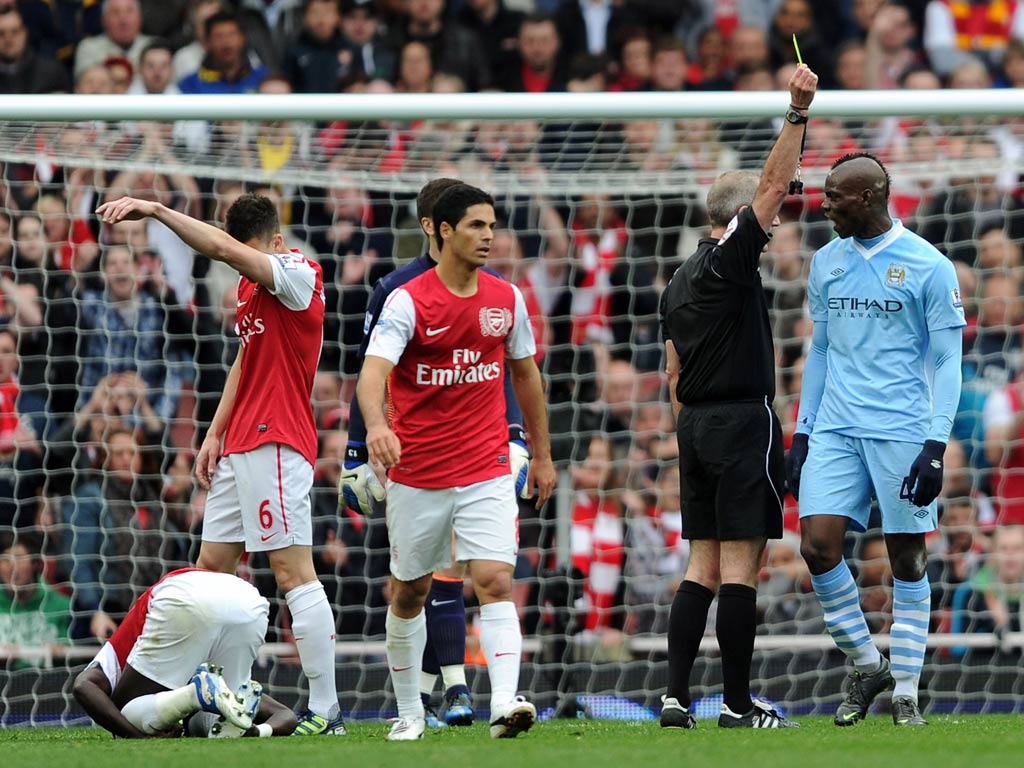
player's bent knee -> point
(408, 597)
(493, 584)
(219, 556)
(820, 554)
(292, 567)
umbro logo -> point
(435, 331)
(837, 272)
(936, 464)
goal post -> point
(601, 198)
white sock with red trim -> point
(313, 628)
(502, 640)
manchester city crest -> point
(896, 275)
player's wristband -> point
(263, 730)
(355, 454)
(516, 434)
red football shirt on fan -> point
(447, 386)
(281, 334)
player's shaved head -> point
(860, 171)
(430, 194)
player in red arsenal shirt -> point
(440, 348)
(260, 479)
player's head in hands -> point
(857, 196)
(252, 219)
(425, 202)
(464, 222)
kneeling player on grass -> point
(185, 647)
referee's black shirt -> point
(715, 314)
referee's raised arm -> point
(781, 165)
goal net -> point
(115, 343)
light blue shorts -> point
(842, 474)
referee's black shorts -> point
(731, 470)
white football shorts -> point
(484, 517)
(200, 616)
(261, 497)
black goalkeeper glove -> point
(795, 463)
(925, 479)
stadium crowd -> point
(115, 341)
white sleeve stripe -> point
(395, 327)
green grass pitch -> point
(988, 741)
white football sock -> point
(453, 675)
(313, 628)
(406, 639)
(427, 682)
(502, 641)
(155, 713)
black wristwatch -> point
(795, 117)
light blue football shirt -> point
(881, 299)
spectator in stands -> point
(375, 58)
(123, 329)
(960, 481)
(537, 66)
(596, 542)
(415, 70)
(749, 47)
(271, 28)
(1011, 73)
(453, 48)
(32, 613)
(797, 17)
(6, 243)
(956, 31)
(226, 68)
(19, 295)
(22, 68)
(997, 253)
(990, 364)
(851, 65)
(156, 71)
(993, 599)
(70, 243)
(955, 555)
(188, 58)
(1004, 425)
(121, 73)
(634, 64)
(122, 36)
(506, 258)
(875, 581)
(496, 27)
(955, 216)
(655, 555)
(321, 57)
(889, 47)
(668, 65)
(594, 27)
(20, 448)
(785, 598)
(710, 68)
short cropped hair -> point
(453, 204)
(729, 193)
(429, 195)
(253, 217)
(856, 155)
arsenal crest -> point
(495, 321)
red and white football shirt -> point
(447, 387)
(282, 334)
(114, 654)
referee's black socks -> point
(736, 625)
(686, 624)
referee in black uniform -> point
(721, 371)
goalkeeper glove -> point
(925, 479)
(358, 486)
(795, 463)
(519, 458)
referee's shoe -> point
(761, 715)
(675, 715)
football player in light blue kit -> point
(880, 389)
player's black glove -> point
(795, 463)
(925, 479)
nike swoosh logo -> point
(506, 653)
(400, 669)
(436, 603)
(265, 539)
(850, 716)
(242, 303)
(435, 331)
